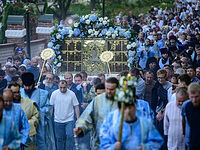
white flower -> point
(133, 44)
(120, 95)
(71, 32)
(76, 25)
(90, 31)
(86, 17)
(100, 34)
(87, 21)
(96, 33)
(59, 57)
(58, 36)
(70, 35)
(131, 53)
(108, 20)
(59, 64)
(92, 35)
(108, 33)
(116, 32)
(128, 46)
(105, 18)
(113, 36)
(104, 22)
(101, 19)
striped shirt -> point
(173, 127)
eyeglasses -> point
(48, 78)
(161, 77)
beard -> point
(110, 97)
(129, 119)
(8, 107)
(29, 92)
(49, 85)
(17, 100)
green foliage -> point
(112, 9)
(80, 9)
(7, 9)
(17, 9)
(48, 10)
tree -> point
(59, 8)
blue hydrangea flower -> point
(50, 45)
(103, 32)
(121, 33)
(82, 20)
(118, 28)
(127, 35)
(99, 25)
(57, 52)
(111, 30)
(57, 47)
(76, 32)
(53, 39)
(93, 18)
(64, 32)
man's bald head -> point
(8, 98)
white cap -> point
(22, 65)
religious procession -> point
(131, 82)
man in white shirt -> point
(173, 121)
(64, 101)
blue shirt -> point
(50, 90)
(192, 119)
(79, 95)
(35, 71)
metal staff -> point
(45, 54)
(106, 57)
(76, 142)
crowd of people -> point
(78, 112)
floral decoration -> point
(126, 88)
(92, 26)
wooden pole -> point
(121, 122)
(41, 73)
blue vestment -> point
(140, 133)
(92, 117)
(45, 136)
(9, 134)
(19, 117)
